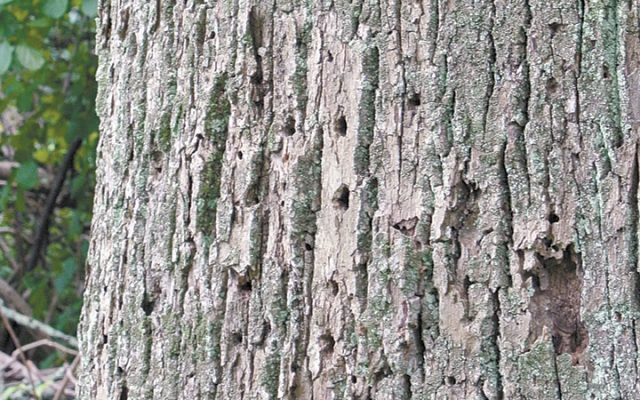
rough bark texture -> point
(365, 200)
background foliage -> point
(47, 92)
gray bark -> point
(373, 199)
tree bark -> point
(365, 200)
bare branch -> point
(37, 325)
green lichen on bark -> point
(216, 127)
(366, 110)
(306, 178)
(537, 371)
(303, 40)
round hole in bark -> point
(147, 305)
(554, 27)
(245, 286)
(451, 380)
(341, 197)
(535, 282)
(329, 56)
(240, 155)
(414, 100)
(553, 218)
(308, 247)
(327, 342)
(289, 127)
(236, 337)
(354, 379)
(341, 126)
(552, 85)
(334, 287)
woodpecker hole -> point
(552, 85)
(341, 126)
(244, 284)
(327, 343)
(333, 285)
(341, 197)
(289, 127)
(414, 100)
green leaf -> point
(20, 203)
(55, 8)
(27, 175)
(5, 194)
(29, 57)
(75, 225)
(89, 7)
(24, 101)
(69, 268)
(6, 52)
(78, 186)
(39, 23)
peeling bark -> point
(365, 200)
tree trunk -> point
(365, 200)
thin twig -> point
(6, 250)
(37, 325)
(6, 229)
(66, 378)
(46, 342)
(16, 342)
(43, 223)
(9, 294)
